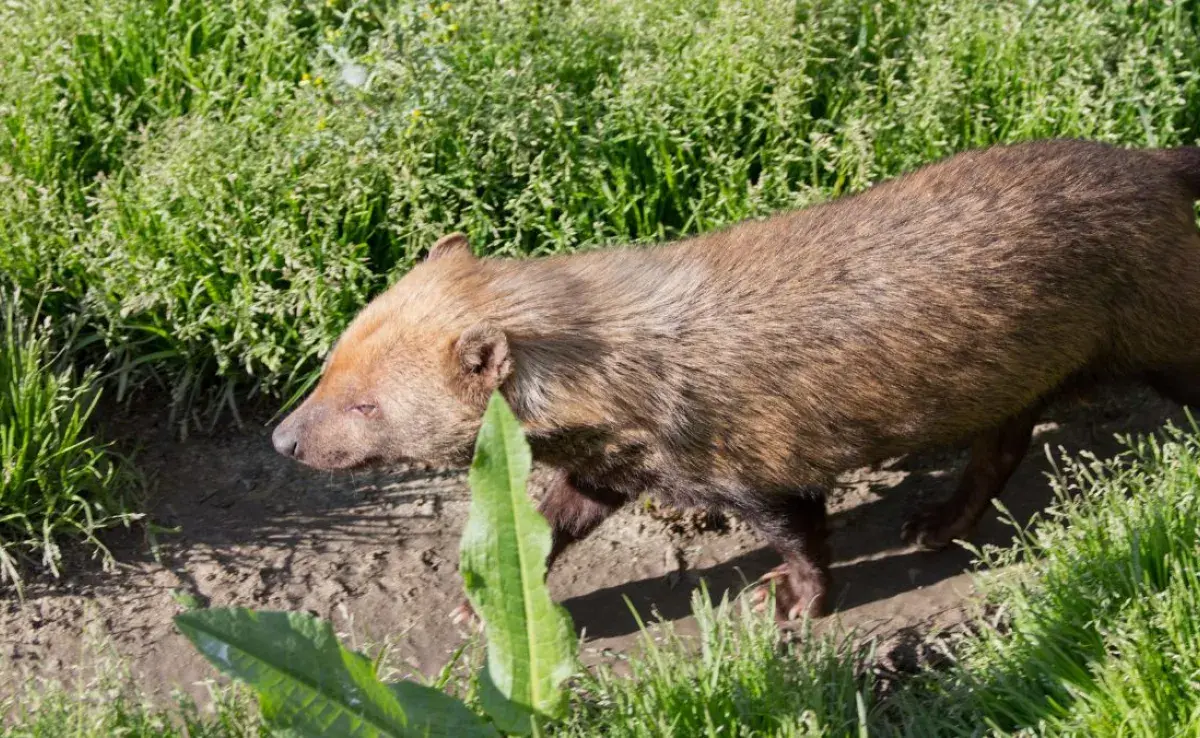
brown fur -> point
(746, 368)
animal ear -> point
(484, 360)
(451, 243)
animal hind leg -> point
(995, 455)
(1178, 384)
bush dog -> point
(745, 369)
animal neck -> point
(583, 332)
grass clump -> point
(106, 705)
(56, 480)
(734, 679)
(49, 710)
(1099, 633)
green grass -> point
(56, 480)
(1100, 631)
(104, 710)
(217, 188)
(734, 679)
(105, 705)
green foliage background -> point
(217, 187)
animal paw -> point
(935, 528)
(464, 615)
(795, 596)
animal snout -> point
(286, 439)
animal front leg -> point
(573, 510)
(795, 526)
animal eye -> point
(365, 409)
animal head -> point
(410, 377)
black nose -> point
(286, 440)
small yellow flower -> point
(453, 28)
(416, 113)
(320, 124)
(319, 81)
(445, 7)
(304, 79)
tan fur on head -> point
(484, 362)
(409, 378)
(448, 245)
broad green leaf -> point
(445, 715)
(530, 640)
(309, 684)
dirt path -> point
(377, 552)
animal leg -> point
(995, 455)
(1177, 384)
(795, 526)
(573, 511)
